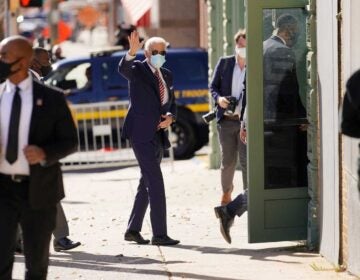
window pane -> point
(284, 78)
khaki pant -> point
(231, 149)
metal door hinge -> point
(339, 16)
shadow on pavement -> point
(71, 259)
(98, 169)
(255, 254)
(82, 260)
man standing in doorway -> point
(151, 111)
(282, 104)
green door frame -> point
(257, 194)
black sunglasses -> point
(155, 52)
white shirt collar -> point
(23, 85)
(36, 74)
(281, 39)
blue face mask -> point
(157, 60)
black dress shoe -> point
(64, 244)
(135, 236)
(226, 221)
(163, 241)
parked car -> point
(190, 71)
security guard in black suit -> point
(36, 131)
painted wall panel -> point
(328, 90)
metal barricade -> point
(99, 128)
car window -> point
(77, 73)
(70, 76)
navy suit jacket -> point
(221, 83)
(145, 108)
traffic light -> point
(31, 3)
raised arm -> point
(126, 62)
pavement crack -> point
(163, 261)
(162, 255)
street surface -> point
(98, 205)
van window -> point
(70, 76)
(77, 73)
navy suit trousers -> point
(151, 187)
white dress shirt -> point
(129, 57)
(21, 165)
(237, 86)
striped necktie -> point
(161, 87)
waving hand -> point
(134, 42)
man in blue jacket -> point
(228, 81)
(151, 111)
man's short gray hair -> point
(154, 40)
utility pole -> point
(11, 12)
(113, 20)
(53, 19)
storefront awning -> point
(135, 9)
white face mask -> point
(240, 52)
(157, 60)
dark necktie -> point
(161, 87)
(13, 135)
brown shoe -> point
(226, 221)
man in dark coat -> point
(151, 111)
(37, 130)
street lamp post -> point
(11, 12)
(53, 19)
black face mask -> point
(293, 38)
(45, 70)
(5, 69)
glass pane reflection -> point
(284, 60)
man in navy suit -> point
(228, 80)
(151, 111)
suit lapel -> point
(149, 73)
(38, 102)
(229, 72)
